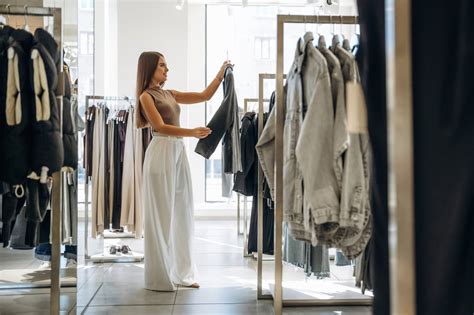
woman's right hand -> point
(201, 132)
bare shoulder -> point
(174, 93)
(145, 97)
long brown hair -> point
(146, 68)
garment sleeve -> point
(266, 151)
(314, 150)
(220, 122)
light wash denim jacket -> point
(355, 214)
(314, 146)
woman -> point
(167, 189)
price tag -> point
(356, 108)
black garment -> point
(221, 124)
(36, 205)
(48, 149)
(89, 140)
(4, 36)
(371, 59)
(105, 145)
(11, 207)
(245, 181)
(443, 152)
(268, 204)
(45, 228)
(16, 139)
(268, 224)
(119, 143)
(69, 136)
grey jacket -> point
(355, 214)
(341, 136)
(314, 145)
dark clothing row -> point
(443, 129)
(30, 131)
(245, 183)
(30, 135)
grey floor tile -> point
(86, 293)
(347, 310)
(127, 310)
(34, 303)
(113, 294)
(216, 295)
(224, 309)
(220, 259)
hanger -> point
(26, 27)
(8, 14)
(340, 25)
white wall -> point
(125, 28)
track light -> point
(179, 4)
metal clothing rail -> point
(280, 119)
(90, 98)
(245, 232)
(56, 198)
(400, 156)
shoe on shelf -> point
(71, 263)
(126, 250)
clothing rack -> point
(100, 257)
(56, 198)
(245, 232)
(277, 293)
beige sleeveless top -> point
(166, 105)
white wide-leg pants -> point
(169, 210)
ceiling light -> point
(179, 4)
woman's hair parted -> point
(147, 63)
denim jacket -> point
(314, 144)
(341, 136)
(355, 213)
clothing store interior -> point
(336, 176)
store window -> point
(247, 36)
(86, 4)
(265, 47)
(87, 43)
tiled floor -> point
(228, 283)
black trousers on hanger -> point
(443, 111)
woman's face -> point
(161, 71)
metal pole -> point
(400, 157)
(278, 294)
(55, 304)
(260, 294)
(86, 201)
(238, 214)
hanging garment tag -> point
(356, 108)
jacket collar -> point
(301, 49)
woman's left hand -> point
(220, 74)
